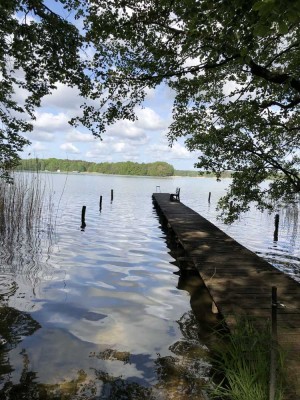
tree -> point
(234, 70)
(233, 67)
(38, 49)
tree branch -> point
(292, 104)
(293, 177)
(270, 76)
(296, 44)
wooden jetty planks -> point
(238, 280)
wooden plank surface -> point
(239, 281)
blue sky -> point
(141, 141)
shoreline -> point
(101, 174)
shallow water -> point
(101, 312)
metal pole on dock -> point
(273, 361)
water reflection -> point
(14, 326)
(120, 372)
(181, 376)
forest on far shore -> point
(158, 168)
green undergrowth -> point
(241, 363)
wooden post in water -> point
(111, 195)
(273, 362)
(209, 195)
(100, 203)
(83, 224)
(276, 227)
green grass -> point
(242, 364)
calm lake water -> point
(100, 313)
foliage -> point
(233, 68)
(38, 49)
(244, 364)
(158, 168)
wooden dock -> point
(239, 281)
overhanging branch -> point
(273, 77)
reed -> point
(26, 219)
(242, 364)
(27, 231)
(21, 204)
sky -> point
(140, 141)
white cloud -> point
(191, 62)
(108, 149)
(230, 87)
(69, 148)
(77, 136)
(126, 129)
(38, 147)
(125, 148)
(40, 136)
(49, 122)
(150, 93)
(148, 119)
(99, 150)
(64, 97)
(177, 151)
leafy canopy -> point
(38, 48)
(233, 67)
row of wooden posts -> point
(83, 211)
(83, 224)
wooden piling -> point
(111, 195)
(209, 195)
(276, 222)
(100, 203)
(83, 224)
(273, 362)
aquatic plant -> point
(242, 363)
(22, 204)
(26, 219)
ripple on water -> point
(109, 308)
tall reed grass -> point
(24, 204)
(26, 218)
(242, 364)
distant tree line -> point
(158, 168)
(180, 172)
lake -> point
(102, 313)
